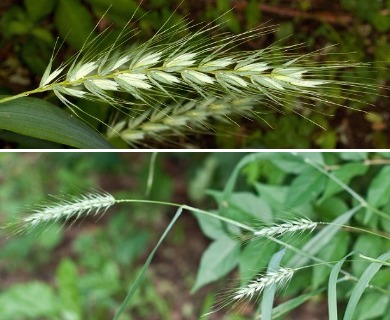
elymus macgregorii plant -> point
(179, 64)
(95, 202)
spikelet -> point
(64, 210)
(279, 277)
(188, 116)
(287, 227)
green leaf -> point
(385, 155)
(67, 281)
(275, 196)
(252, 13)
(40, 119)
(378, 191)
(229, 18)
(362, 8)
(74, 22)
(331, 208)
(210, 226)
(38, 9)
(292, 304)
(219, 258)
(229, 186)
(251, 205)
(43, 35)
(33, 300)
(254, 257)
(345, 173)
(381, 21)
(104, 282)
(51, 237)
(35, 54)
(334, 251)
(272, 173)
(305, 187)
(292, 163)
(93, 111)
(387, 313)
(353, 156)
(385, 221)
(228, 208)
(332, 286)
(368, 245)
(361, 285)
(202, 179)
(269, 291)
(372, 305)
(118, 7)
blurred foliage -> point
(83, 271)
(360, 28)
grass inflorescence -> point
(177, 119)
(64, 209)
(290, 227)
(274, 277)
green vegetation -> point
(29, 31)
(318, 221)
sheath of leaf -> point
(180, 63)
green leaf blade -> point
(378, 194)
(362, 284)
(218, 259)
(334, 251)
(305, 187)
(292, 304)
(345, 173)
(40, 119)
(269, 292)
(29, 300)
(74, 22)
(67, 280)
(251, 262)
(369, 245)
(332, 285)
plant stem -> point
(189, 208)
(25, 94)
